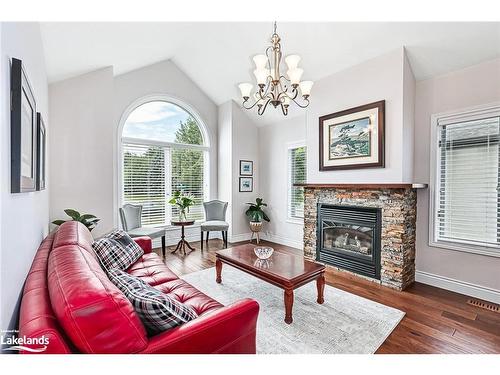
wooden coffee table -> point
(285, 271)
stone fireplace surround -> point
(399, 209)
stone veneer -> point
(399, 212)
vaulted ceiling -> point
(217, 56)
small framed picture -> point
(41, 143)
(246, 168)
(246, 184)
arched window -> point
(164, 148)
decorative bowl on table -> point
(263, 252)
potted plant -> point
(89, 220)
(256, 214)
(183, 202)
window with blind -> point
(297, 174)
(467, 200)
(163, 151)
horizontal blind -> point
(144, 181)
(152, 173)
(187, 169)
(297, 169)
(468, 197)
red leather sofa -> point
(69, 300)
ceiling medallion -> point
(273, 87)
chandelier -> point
(273, 87)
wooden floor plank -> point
(436, 320)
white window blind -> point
(297, 175)
(467, 197)
(150, 175)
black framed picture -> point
(353, 138)
(246, 168)
(246, 184)
(41, 146)
(23, 131)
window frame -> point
(291, 146)
(118, 162)
(463, 115)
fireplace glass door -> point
(349, 238)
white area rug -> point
(345, 323)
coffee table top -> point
(280, 269)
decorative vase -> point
(182, 215)
(255, 227)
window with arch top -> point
(163, 149)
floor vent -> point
(484, 305)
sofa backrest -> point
(93, 312)
(37, 320)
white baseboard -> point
(283, 240)
(239, 237)
(462, 287)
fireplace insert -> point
(349, 238)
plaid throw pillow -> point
(117, 250)
(157, 311)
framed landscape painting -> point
(353, 138)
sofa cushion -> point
(117, 250)
(93, 312)
(157, 311)
(151, 269)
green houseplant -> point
(183, 202)
(256, 214)
(89, 220)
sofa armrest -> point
(145, 243)
(228, 330)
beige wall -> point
(476, 85)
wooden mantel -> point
(363, 186)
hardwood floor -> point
(436, 320)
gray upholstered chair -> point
(215, 216)
(130, 215)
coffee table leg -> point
(288, 305)
(320, 284)
(218, 269)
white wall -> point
(274, 141)
(86, 113)
(476, 85)
(24, 217)
(376, 79)
(81, 146)
(238, 140)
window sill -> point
(465, 248)
(295, 221)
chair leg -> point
(208, 234)
(201, 240)
(225, 238)
(163, 246)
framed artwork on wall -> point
(353, 138)
(246, 168)
(41, 146)
(23, 133)
(246, 184)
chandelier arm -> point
(250, 107)
(262, 109)
(306, 103)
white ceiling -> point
(217, 56)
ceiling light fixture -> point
(273, 87)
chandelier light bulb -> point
(261, 75)
(305, 88)
(294, 75)
(292, 61)
(260, 61)
(246, 90)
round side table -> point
(182, 243)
